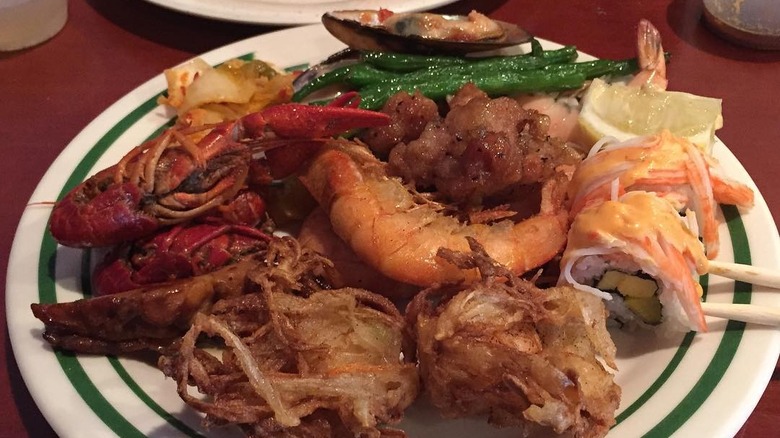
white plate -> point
(702, 385)
(288, 12)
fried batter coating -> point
(410, 113)
(524, 356)
(317, 234)
(483, 146)
(334, 364)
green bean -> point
(551, 70)
(497, 84)
(365, 74)
(489, 66)
(405, 63)
(402, 63)
(357, 75)
(385, 66)
(589, 70)
(362, 75)
(518, 62)
(597, 68)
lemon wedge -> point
(624, 112)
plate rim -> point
(285, 13)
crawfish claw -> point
(295, 120)
(85, 224)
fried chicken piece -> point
(334, 364)
(482, 147)
(409, 114)
(524, 356)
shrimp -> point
(650, 54)
(564, 110)
(390, 229)
(668, 165)
(316, 234)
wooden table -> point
(108, 47)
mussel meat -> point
(422, 32)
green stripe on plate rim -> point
(122, 427)
(732, 336)
(724, 354)
(47, 294)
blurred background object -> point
(751, 23)
(25, 23)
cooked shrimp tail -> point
(650, 53)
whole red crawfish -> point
(182, 251)
(173, 178)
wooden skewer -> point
(746, 273)
(743, 312)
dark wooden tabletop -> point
(108, 47)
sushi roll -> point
(671, 167)
(640, 256)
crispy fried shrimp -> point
(392, 229)
(317, 234)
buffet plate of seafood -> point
(307, 275)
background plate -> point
(702, 385)
(287, 12)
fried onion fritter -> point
(333, 364)
(524, 356)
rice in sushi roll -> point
(639, 255)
